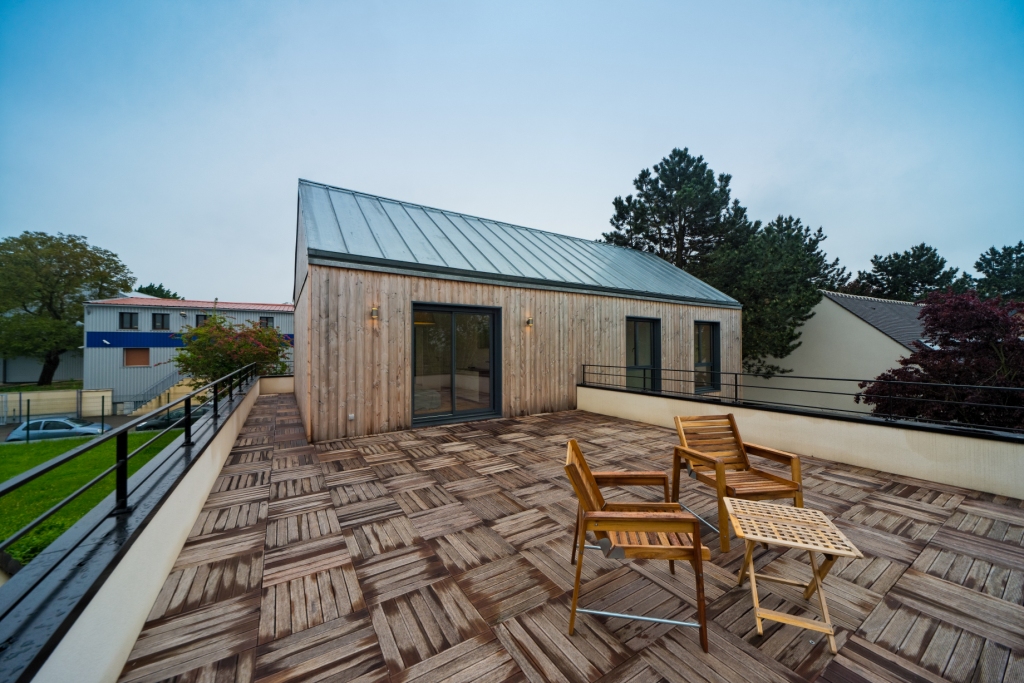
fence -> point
(16, 406)
(978, 408)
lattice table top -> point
(788, 526)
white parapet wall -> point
(988, 465)
(98, 644)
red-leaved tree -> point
(973, 343)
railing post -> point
(121, 474)
(28, 421)
(231, 388)
(188, 420)
(215, 397)
(736, 387)
(103, 409)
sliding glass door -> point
(455, 362)
(643, 353)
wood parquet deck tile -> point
(441, 554)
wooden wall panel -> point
(300, 354)
(363, 368)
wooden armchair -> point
(640, 530)
(715, 455)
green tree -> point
(44, 280)
(681, 212)
(159, 291)
(218, 347)
(908, 276)
(776, 271)
(1002, 272)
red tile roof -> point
(189, 303)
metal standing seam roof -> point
(153, 302)
(898, 320)
(374, 232)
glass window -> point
(34, 426)
(266, 321)
(54, 426)
(201, 318)
(128, 321)
(454, 366)
(161, 321)
(706, 365)
(643, 353)
(134, 358)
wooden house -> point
(407, 315)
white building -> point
(849, 337)
(130, 341)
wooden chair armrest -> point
(666, 522)
(641, 507)
(685, 452)
(630, 478)
(770, 453)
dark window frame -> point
(495, 409)
(165, 320)
(266, 321)
(201, 318)
(133, 320)
(715, 367)
(652, 372)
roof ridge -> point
(869, 298)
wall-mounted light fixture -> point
(374, 313)
(529, 322)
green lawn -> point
(56, 386)
(22, 506)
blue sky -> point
(173, 133)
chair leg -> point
(672, 566)
(576, 586)
(698, 573)
(798, 499)
(723, 526)
(675, 477)
(575, 533)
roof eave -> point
(325, 258)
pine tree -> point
(1002, 272)
(908, 276)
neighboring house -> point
(23, 370)
(849, 337)
(130, 341)
(408, 315)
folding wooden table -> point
(791, 527)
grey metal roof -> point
(896, 319)
(369, 231)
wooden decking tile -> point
(442, 554)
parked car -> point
(56, 428)
(165, 420)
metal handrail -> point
(123, 456)
(887, 406)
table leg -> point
(821, 598)
(826, 566)
(746, 561)
(749, 562)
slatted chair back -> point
(716, 436)
(582, 479)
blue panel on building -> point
(132, 340)
(140, 340)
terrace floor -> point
(442, 553)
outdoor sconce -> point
(374, 313)
(529, 322)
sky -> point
(174, 133)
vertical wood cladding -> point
(363, 367)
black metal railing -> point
(1000, 409)
(211, 392)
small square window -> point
(128, 321)
(201, 318)
(161, 321)
(136, 358)
(266, 321)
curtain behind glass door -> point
(433, 363)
